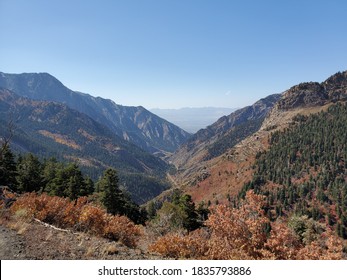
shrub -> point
(92, 219)
(79, 215)
(175, 245)
(123, 229)
(246, 233)
(73, 211)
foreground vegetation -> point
(247, 233)
(228, 233)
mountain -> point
(53, 129)
(223, 134)
(193, 119)
(215, 164)
(135, 124)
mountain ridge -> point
(215, 178)
(134, 124)
(196, 146)
(52, 129)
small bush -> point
(174, 245)
(123, 229)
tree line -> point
(27, 173)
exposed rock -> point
(315, 94)
(303, 95)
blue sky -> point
(176, 53)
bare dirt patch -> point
(30, 240)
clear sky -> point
(176, 53)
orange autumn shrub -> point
(282, 244)
(123, 229)
(73, 211)
(178, 246)
(92, 219)
(78, 215)
(43, 207)
(52, 211)
(328, 247)
(240, 233)
(25, 203)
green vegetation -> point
(7, 166)
(176, 214)
(29, 174)
(48, 129)
(236, 135)
(307, 165)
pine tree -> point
(190, 221)
(111, 195)
(75, 181)
(7, 167)
(88, 187)
(29, 174)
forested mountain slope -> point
(222, 177)
(135, 124)
(192, 158)
(53, 129)
(305, 169)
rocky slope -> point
(315, 94)
(135, 124)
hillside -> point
(192, 157)
(305, 171)
(51, 129)
(220, 178)
(134, 124)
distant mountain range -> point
(135, 124)
(193, 119)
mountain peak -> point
(135, 124)
(312, 94)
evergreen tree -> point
(49, 172)
(7, 167)
(74, 181)
(190, 221)
(88, 187)
(111, 195)
(29, 170)
(151, 210)
(202, 212)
